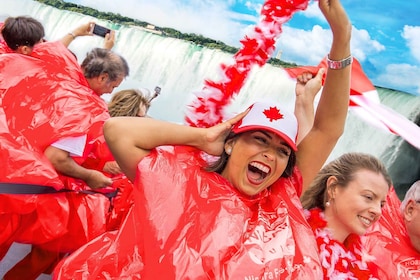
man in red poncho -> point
(395, 240)
(50, 99)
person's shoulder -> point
(49, 47)
(4, 48)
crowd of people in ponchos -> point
(102, 191)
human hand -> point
(109, 40)
(336, 16)
(112, 167)
(98, 180)
(84, 29)
(215, 136)
(307, 86)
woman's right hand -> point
(215, 136)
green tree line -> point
(169, 32)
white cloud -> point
(404, 75)
(412, 35)
(362, 45)
(400, 76)
(304, 47)
(309, 47)
(313, 11)
(253, 6)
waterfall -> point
(180, 67)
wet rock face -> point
(405, 168)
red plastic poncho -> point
(44, 97)
(4, 48)
(389, 243)
(99, 155)
(187, 223)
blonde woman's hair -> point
(344, 169)
(126, 103)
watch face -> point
(339, 64)
(335, 64)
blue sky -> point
(385, 38)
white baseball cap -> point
(271, 117)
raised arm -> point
(332, 109)
(83, 30)
(307, 87)
(131, 138)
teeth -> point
(261, 167)
(365, 221)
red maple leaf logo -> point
(273, 114)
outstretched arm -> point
(131, 138)
(82, 30)
(332, 109)
(307, 87)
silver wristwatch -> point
(339, 64)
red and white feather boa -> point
(340, 261)
(207, 109)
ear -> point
(408, 210)
(330, 187)
(24, 50)
(228, 146)
(103, 78)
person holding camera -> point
(89, 29)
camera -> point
(157, 90)
(100, 30)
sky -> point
(385, 35)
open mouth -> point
(257, 172)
